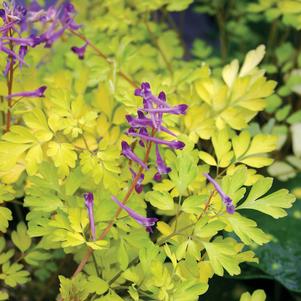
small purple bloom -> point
(80, 51)
(144, 122)
(89, 202)
(175, 144)
(127, 152)
(161, 166)
(138, 186)
(226, 199)
(22, 52)
(145, 221)
(36, 93)
(177, 110)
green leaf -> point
(20, 238)
(160, 200)
(123, 257)
(97, 285)
(175, 5)
(3, 296)
(184, 172)
(193, 204)
(281, 258)
(63, 156)
(272, 204)
(73, 181)
(5, 216)
(246, 229)
(74, 289)
(222, 255)
(12, 274)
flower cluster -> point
(149, 122)
(18, 34)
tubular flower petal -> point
(89, 202)
(138, 186)
(175, 144)
(161, 166)
(226, 199)
(145, 221)
(36, 93)
(80, 51)
(127, 152)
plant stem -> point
(10, 79)
(102, 55)
(118, 211)
(156, 43)
(222, 35)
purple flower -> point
(145, 221)
(80, 51)
(89, 202)
(22, 52)
(144, 122)
(161, 166)
(175, 144)
(177, 110)
(226, 199)
(127, 152)
(36, 93)
(11, 53)
(138, 186)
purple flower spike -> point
(89, 202)
(145, 221)
(161, 166)
(172, 144)
(226, 199)
(139, 186)
(80, 51)
(127, 152)
(36, 93)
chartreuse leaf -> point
(272, 204)
(28, 140)
(236, 99)
(174, 5)
(189, 290)
(253, 152)
(20, 238)
(160, 200)
(97, 285)
(206, 228)
(184, 171)
(7, 193)
(102, 166)
(3, 295)
(63, 156)
(13, 274)
(253, 58)
(74, 289)
(5, 217)
(194, 203)
(258, 295)
(222, 255)
(247, 230)
(222, 148)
